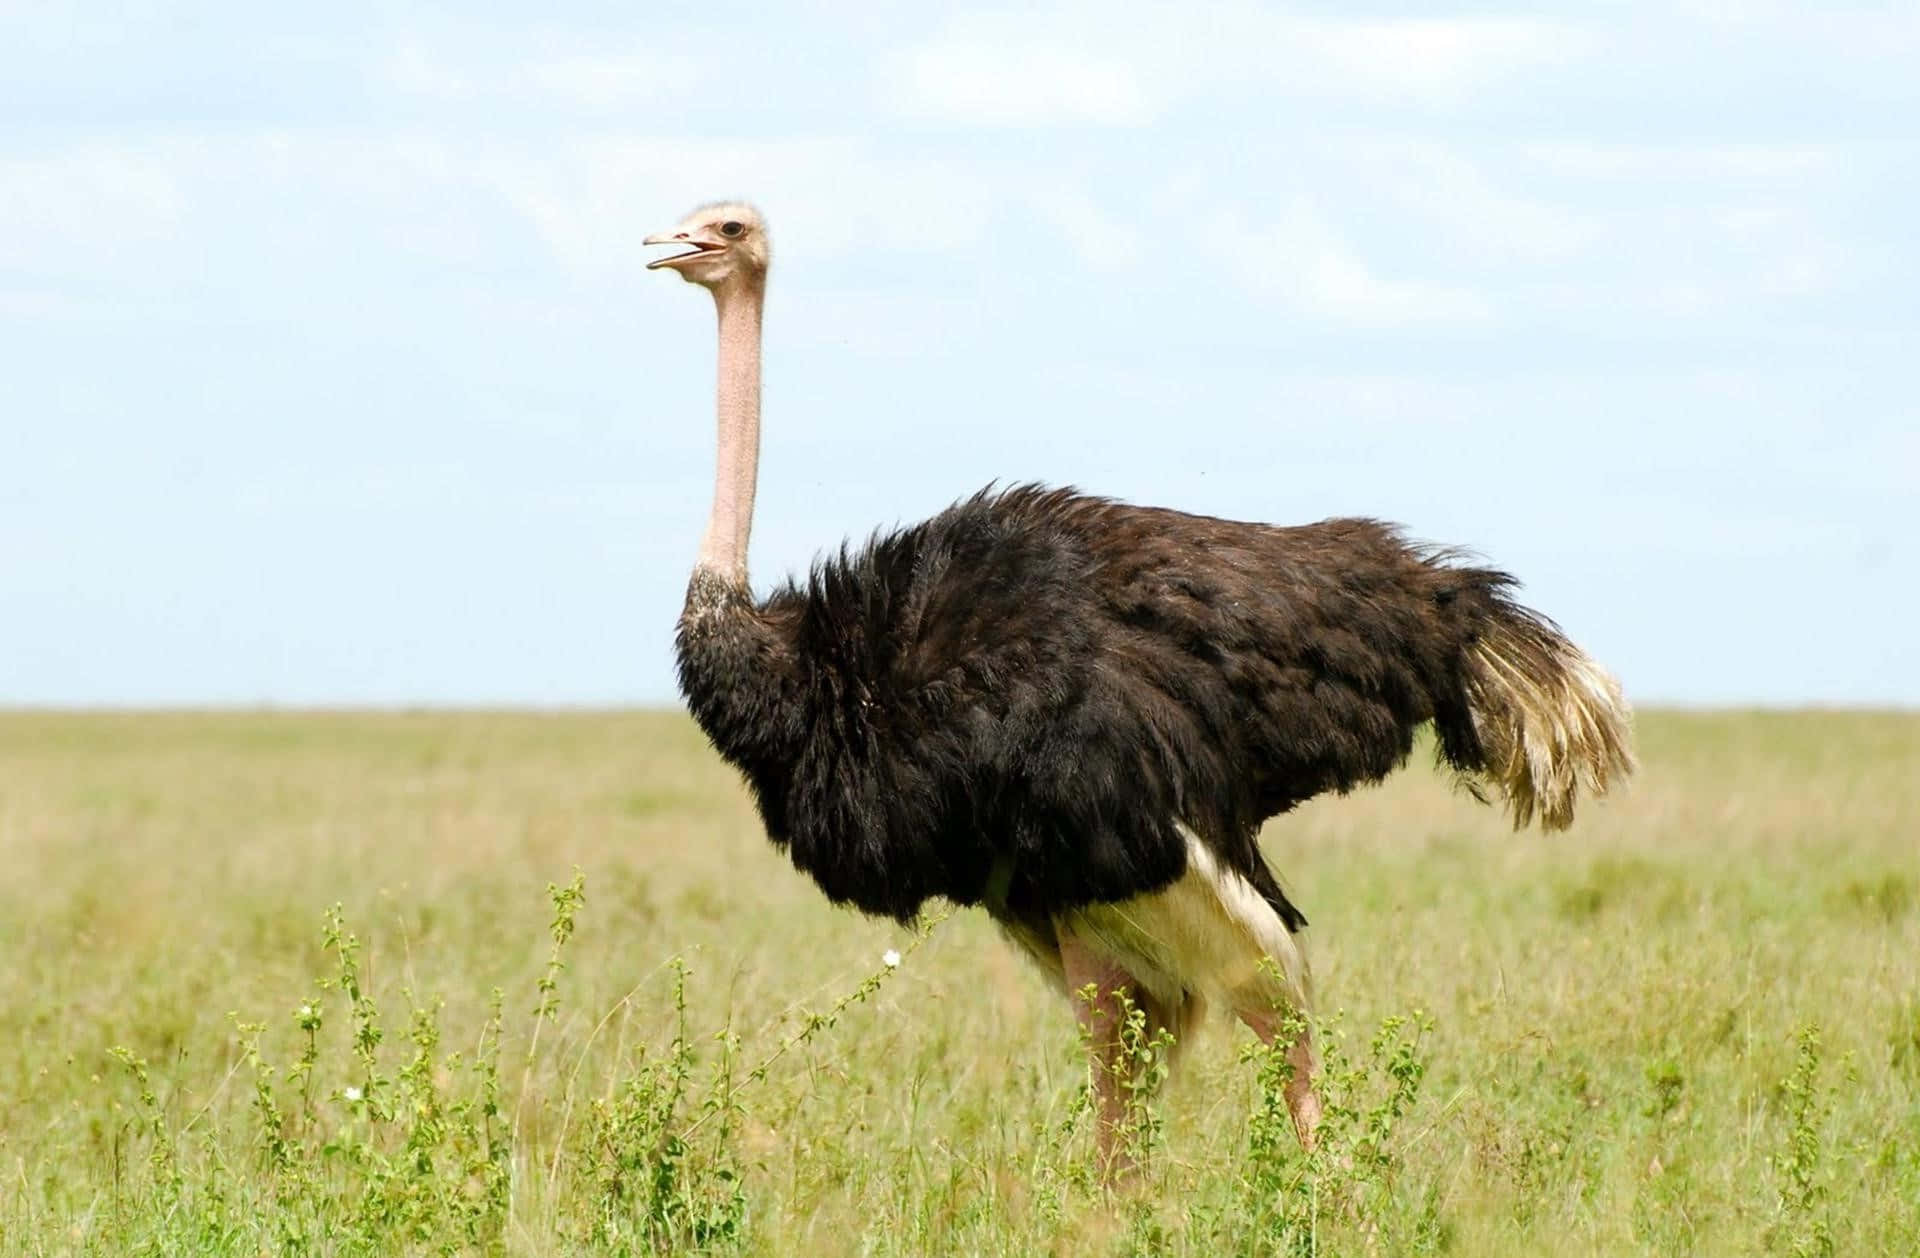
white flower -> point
(352, 1094)
(890, 958)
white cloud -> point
(611, 80)
(543, 70)
(1753, 222)
(1730, 12)
(413, 70)
(1124, 65)
(1665, 161)
(1796, 275)
(989, 83)
(1439, 184)
(1305, 263)
(1101, 241)
(1426, 57)
(97, 200)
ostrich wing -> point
(1023, 698)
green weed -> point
(1803, 1227)
(1290, 1198)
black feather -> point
(1020, 700)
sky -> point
(330, 374)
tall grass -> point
(288, 983)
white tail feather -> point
(1552, 722)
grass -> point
(1691, 1026)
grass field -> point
(1692, 1025)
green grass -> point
(1692, 1025)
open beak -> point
(694, 247)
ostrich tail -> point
(1551, 723)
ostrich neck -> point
(723, 551)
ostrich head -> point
(727, 245)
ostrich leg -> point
(1303, 1103)
(1102, 1019)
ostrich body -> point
(1076, 713)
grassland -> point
(1690, 1026)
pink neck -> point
(724, 549)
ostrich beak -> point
(670, 237)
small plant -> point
(1289, 1195)
(165, 1166)
(1903, 1040)
(566, 907)
(655, 1186)
(1667, 1082)
(659, 1151)
(1141, 1066)
(1279, 1187)
(1802, 1225)
(1058, 1170)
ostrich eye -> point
(732, 229)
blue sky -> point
(329, 372)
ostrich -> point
(1076, 713)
